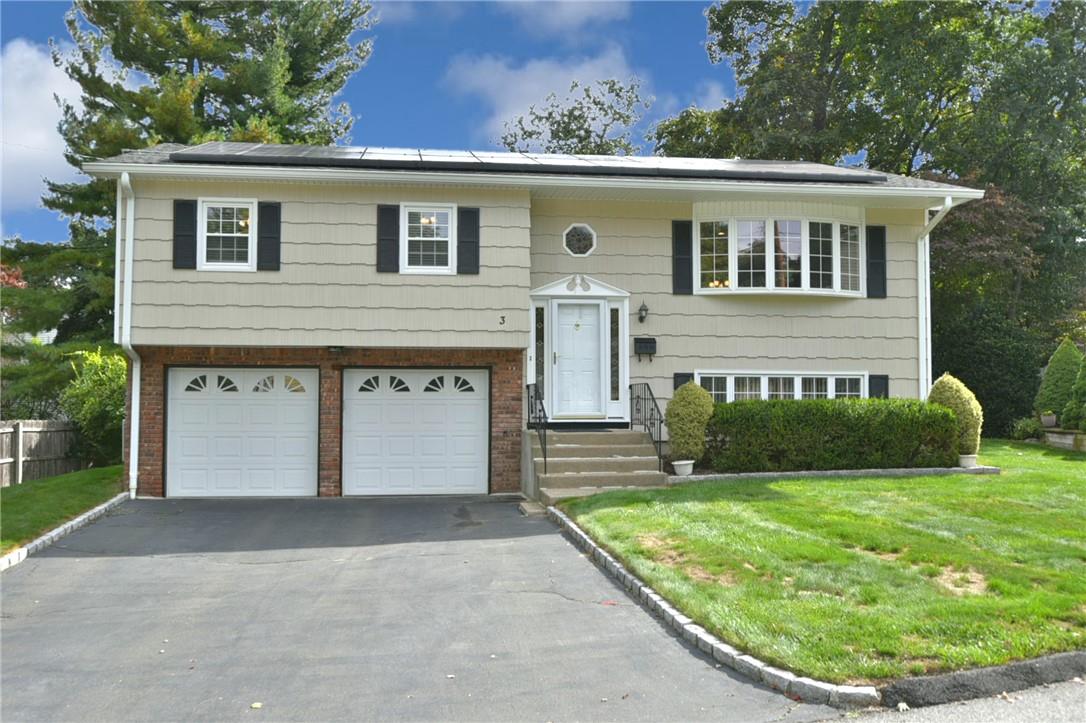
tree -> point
(589, 120)
(1074, 412)
(1059, 378)
(94, 400)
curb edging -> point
(888, 472)
(19, 554)
(792, 685)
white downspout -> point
(125, 189)
(923, 298)
(117, 271)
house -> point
(360, 321)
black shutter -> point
(467, 241)
(680, 378)
(876, 262)
(682, 270)
(184, 234)
(878, 386)
(268, 219)
(388, 239)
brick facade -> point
(506, 400)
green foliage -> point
(955, 396)
(993, 356)
(1026, 428)
(1059, 378)
(94, 400)
(595, 121)
(1074, 412)
(819, 434)
(33, 377)
(687, 415)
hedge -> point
(821, 434)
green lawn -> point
(35, 507)
(861, 580)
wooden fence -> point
(31, 449)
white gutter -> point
(923, 296)
(124, 187)
(117, 272)
(515, 180)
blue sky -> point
(442, 75)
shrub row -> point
(821, 434)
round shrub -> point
(687, 416)
(1026, 428)
(1074, 412)
(956, 397)
(1059, 377)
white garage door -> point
(241, 432)
(415, 432)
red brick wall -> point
(506, 394)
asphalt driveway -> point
(421, 609)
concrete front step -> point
(560, 480)
(599, 464)
(555, 451)
(550, 496)
(605, 437)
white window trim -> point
(595, 240)
(449, 270)
(805, 264)
(202, 264)
(797, 390)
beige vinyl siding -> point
(739, 332)
(327, 291)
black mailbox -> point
(644, 345)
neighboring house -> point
(318, 320)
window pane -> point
(821, 237)
(717, 386)
(815, 388)
(751, 254)
(788, 252)
(714, 254)
(615, 352)
(540, 347)
(782, 388)
(846, 387)
(748, 388)
(850, 257)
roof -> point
(232, 154)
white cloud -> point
(710, 95)
(395, 12)
(32, 148)
(509, 89)
(554, 18)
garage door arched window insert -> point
(226, 384)
(435, 385)
(371, 384)
(462, 385)
(293, 385)
(198, 383)
(266, 384)
(398, 385)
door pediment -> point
(579, 286)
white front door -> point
(578, 360)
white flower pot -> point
(967, 460)
(683, 467)
(1048, 420)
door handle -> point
(555, 357)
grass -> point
(36, 507)
(868, 579)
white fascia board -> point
(511, 180)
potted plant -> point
(951, 393)
(1048, 418)
(687, 415)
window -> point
(427, 239)
(751, 254)
(737, 386)
(788, 250)
(579, 239)
(850, 257)
(616, 353)
(714, 254)
(717, 386)
(226, 238)
(821, 237)
(747, 388)
(540, 349)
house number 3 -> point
(501, 321)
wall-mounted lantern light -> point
(643, 312)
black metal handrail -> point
(537, 419)
(645, 412)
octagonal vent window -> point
(579, 239)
